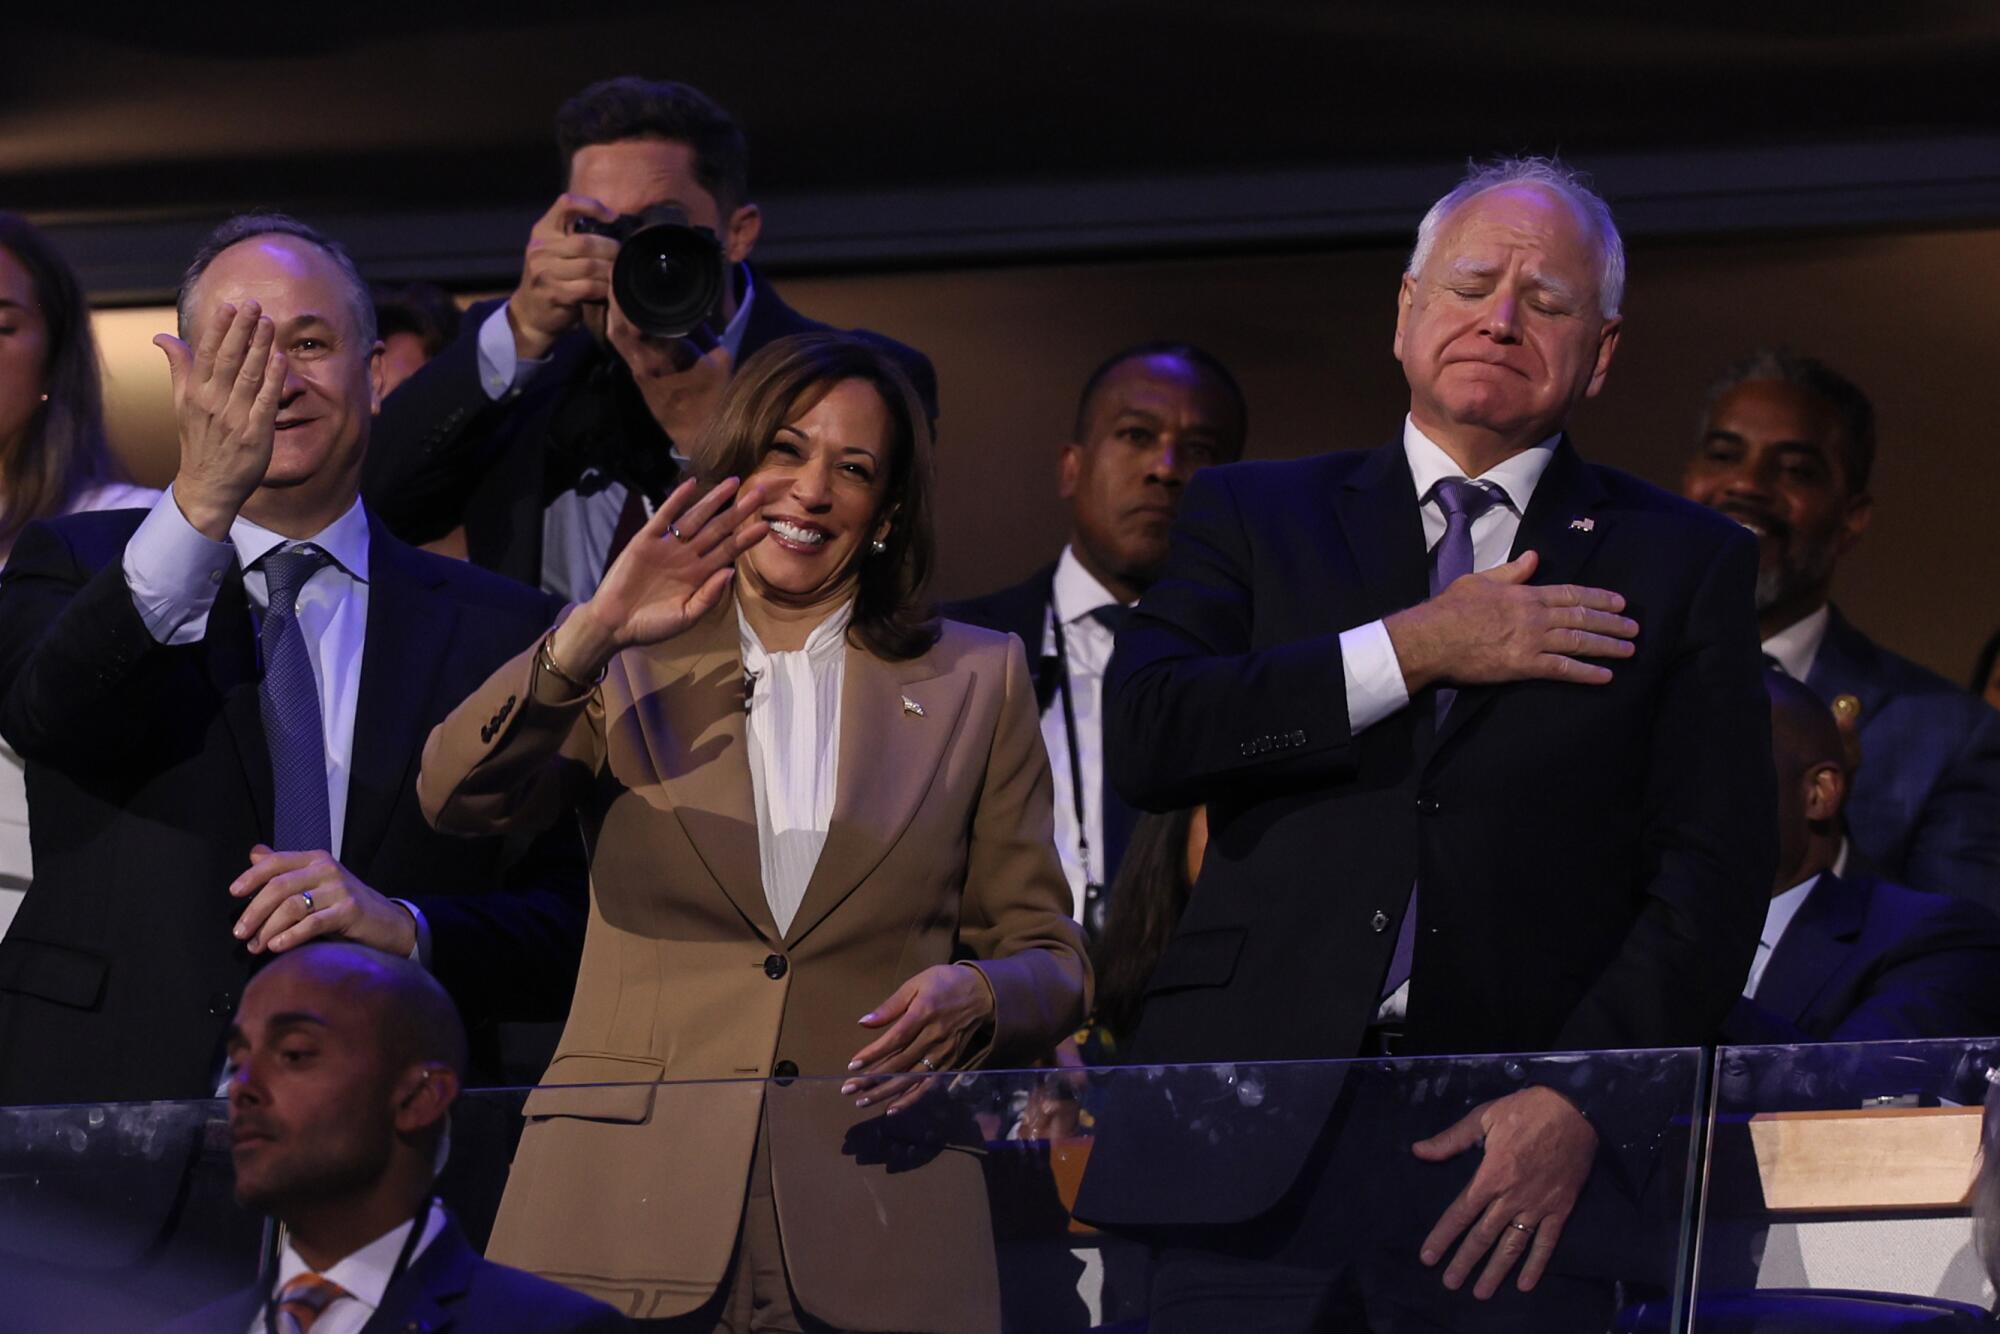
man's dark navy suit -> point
(448, 1287)
(1594, 860)
(1867, 961)
(444, 453)
(1925, 807)
(149, 781)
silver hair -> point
(244, 227)
(1556, 177)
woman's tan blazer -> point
(941, 836)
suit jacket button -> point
(774, 966)
(785, 1070)
(1428, 805)
(1380, 921)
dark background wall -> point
(1017, 189)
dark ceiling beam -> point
(1902, 184)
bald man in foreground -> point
(344, 1063)
(1844, 956)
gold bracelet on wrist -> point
(550, 665)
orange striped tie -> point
(301, 1301)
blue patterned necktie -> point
(288, 700)
(1462, 502)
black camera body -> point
(669, 273)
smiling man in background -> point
(1786, 448)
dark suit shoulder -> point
(482, 589)
(1017, 608)
(1636, 495)
(1900, 675)
(93, 538)
(1907, 915)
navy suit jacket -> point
(1866, 961)
(1021, 610)
(1925, 809)
(149, 781)
(448, 1287)
(444, 453)
(1594, 859)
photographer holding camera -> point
(558, 418)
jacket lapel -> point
(410, 627)
(1562, 528)
(231, 649)
(1844, 666)
(1819, 939)
(418, 1301)
(687, 721)
(1379, 518)
(889, 752)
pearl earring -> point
(45, 398)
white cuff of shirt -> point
(174, 573)
(501, 369)
(1374, 678)
(421, 954)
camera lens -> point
(668, 278)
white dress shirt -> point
(174, 573)
(1778, 918)
(1374, 679)
(1078, 593)
(794, 753)
(17, 865)
(576, 528)
(1797, 645)
(364, 1275)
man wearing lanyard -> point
(1147, 419)
(344, 1064)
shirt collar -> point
(825, 641)
(1797, 644)
(732, 333)
(345, 539)
(1516, 477)
(1783, 908)
(365, 1274)
(1077, 591)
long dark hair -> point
(64, 452)
(892, 619)
(1148, 895)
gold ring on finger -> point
(675, 529)
(1523, 1227)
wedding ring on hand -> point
(928, 1063)
(1523, 1227)
(675, 529)
(307, 895)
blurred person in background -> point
(1786, 448)
(415, 321)
(53, 456)
(1845, 956)
(1148, 418)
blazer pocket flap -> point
(597, 1088)
(52, 972)
(1198, 959)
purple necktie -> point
(288, 700)
(1462, 502)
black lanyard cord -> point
(1069, 733)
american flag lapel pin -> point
(1583, 525)
(911, 706)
